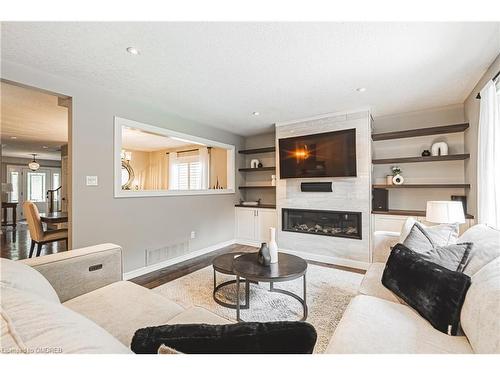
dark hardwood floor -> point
(16, 243)
(157, 278)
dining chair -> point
(39, 236)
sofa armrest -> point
(76, 272)
(382, 243)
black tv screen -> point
(330, 154)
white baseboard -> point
(154, 267)
(328, 259)
(247, 242)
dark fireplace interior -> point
(324, 223)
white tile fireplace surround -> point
(350, 194)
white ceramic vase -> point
(273, 246)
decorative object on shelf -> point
(445, 212)
(250, 203)
(273, 246)
(263, 256)
(461, 198)
(273, 180)
(388, 179)
(426, 153)
(397, 179)
(260, 165)
(439, 149)
(34, 165)
(254, 163)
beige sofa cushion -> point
(123, 307)
(24, 278)
(31, 324)
(374, 325)
(486, 247)
(480, 317)
(372, 284)
(198, 315)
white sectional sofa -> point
(377, 321)
(78, 303)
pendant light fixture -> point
(33, 165)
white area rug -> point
(328, 294)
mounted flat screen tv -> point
(330, 154)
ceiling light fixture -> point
(33, 165)
(13, 137)
(255, 113)
(45, 147)
(361, 89)
(133, 51)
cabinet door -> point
(245, 223)
(265, 220)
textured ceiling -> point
(219, 73)
(31, 122)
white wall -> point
(134, 223)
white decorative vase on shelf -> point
(273, 246)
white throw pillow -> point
(22, 277)
(486, 247)
(31, 324)
(442, 234)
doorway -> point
(35, 165)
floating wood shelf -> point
(257, 150)
(456, 128)
(257, 169)
(421, 159)
(258, 187)
(423, 186)
(262, 205)
(409, 213)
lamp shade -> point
(445, 212)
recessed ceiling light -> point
(361, 89)
(133, 51)
(13, 137)
(45, 147)
(255, 113)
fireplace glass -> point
(324, 223)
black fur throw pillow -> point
(239, 338)
(434, 291)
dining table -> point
(54, 217)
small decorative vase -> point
(260, 165)
(439, 149)
(426, 153)
(398, 179)
(273, 180)
(273, 246)
(254, 163)
(388, 179)
(263, 256)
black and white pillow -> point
(426, 242)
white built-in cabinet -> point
(252, 224)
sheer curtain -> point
(173, 172)
(205, 167)
(488, 157)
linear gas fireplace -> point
(324, 223)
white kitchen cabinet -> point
(252, 224)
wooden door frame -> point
(67, 102)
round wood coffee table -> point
(289, 267)
(224, 264)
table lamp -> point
(445, 212)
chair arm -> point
(76, 272)
(382, 243)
